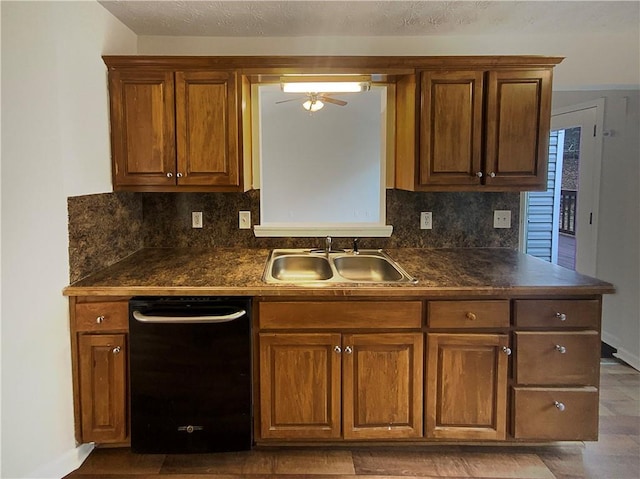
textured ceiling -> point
(371, 18)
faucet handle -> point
(355, 246)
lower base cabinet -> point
(103, 375)
(466, 389)
(328, 385)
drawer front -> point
(557, 313)
(102, 316)
(557, 358)
(468, 314)
(340, 314)
(559, 414)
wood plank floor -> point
(615, 456)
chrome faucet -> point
(327, 245)
(355, 246)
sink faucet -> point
(327, 245)
(355, 246)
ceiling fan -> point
(315, 101)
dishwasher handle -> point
(225, 318)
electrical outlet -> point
(502, 219)
(426, 220)
(244, 220)
(196, 219)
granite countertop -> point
(238, 271)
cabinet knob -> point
(337, 349)
(506, 350)
(492, 174)
(479, 174)
(561, 316)
(179, 175)
(116, 350)
(561, 349)
(100, 319)
(471, 316)
(561, 407)
(348, 350)
(169, 175)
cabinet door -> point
(382, 385)
(451, 128)
(300, 386)
(142, 128)
(207, 129)
(518, 121)
(466, 387)
(103, 379)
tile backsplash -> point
(107, 227)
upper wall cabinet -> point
(174, 130)
(475, 130)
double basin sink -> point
(317, 266)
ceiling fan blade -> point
(335, 101)
(290, 99)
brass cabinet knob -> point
(479, 174)
(506, 350)
(337, 349)
(100, 319)
(561, 407)
(492, 174)
(179, 175)
(169, 175)
(348, 350)
(116, 350)
(471, 316)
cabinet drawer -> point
(557, 313)
(340, 314)
(557, 358)
(102, 316)
(559, 414)
(468, 314)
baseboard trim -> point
(63, 465)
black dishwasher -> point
(190, 374)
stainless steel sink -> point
(366, 268)
(300, 266)
(297, 268)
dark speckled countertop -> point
(238, 271)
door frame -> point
(586, 266)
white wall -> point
(54, 145)
(591, 60)
(618, 252)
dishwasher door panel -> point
(190, 383)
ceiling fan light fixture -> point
(346, 84)
(313, 105)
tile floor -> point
(615, 456)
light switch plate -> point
(244, 220)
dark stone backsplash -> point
(103, 229)
(106, 228)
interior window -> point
(322, 172)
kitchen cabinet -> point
(466, 385)
(556, 369)
(100, 366)
(477, 130)
(174, 130)
(333, 384)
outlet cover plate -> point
(196, 219)
(502, 219)
(426, 220)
